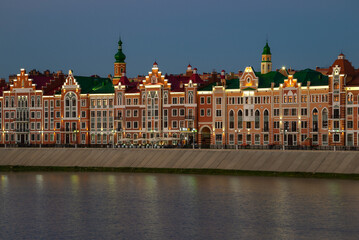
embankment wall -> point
(247, 160)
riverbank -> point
(225, 162)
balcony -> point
(118, 118)
(22, 130)
(189, 117)
(315, 129)
(21, 119)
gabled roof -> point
(315, 78)
(95, 84)
(265, 80)
(232, 84)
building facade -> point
(282, 107)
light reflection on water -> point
(46, 205)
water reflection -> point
(162, 206)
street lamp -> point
(113, 137)
(193, 131)
(76, 131)
(236, 136)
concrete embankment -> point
(243, 160)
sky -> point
(82, 35)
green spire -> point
(266, 49)
(119, 56)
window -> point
(231, 119)
(249, 139)
(202, 100)
(248, 125)
(174, 113)
(128, 125)
(218, 138)
(257, 119)
(218, 113)
(165, 98)
(83, 114)
(336, 138)
(208, 100)
(276, 112)
(325, 118)
(218, 125)
(218, 101)
(70, 105)
(266, 121)
(303, 111)
(182, 112)
(336, 124)
(135, 113)
(240, 119)
(350, 111)
(174, 124)
(202, 112)
(174, 100)
(350, 124)
(315, 120)
(208, 112)
(190, 97)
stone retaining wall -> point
(253, 160)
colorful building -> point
(281, 107)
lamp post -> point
(236, 136)
(113, 137)
(193, 131)
(76, 131)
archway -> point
(205, 137)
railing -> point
(118, 118)
(21, 119)
(201, 146)
(190, 117)
(265, 129)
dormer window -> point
(248, 80)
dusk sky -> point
(82, 35)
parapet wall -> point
(252, 160)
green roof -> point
(208, 87)
(232, 84)
(120, 56)
(95, 84)
(315, 78)
(265, 80)
(266, 50)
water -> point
(53, 205)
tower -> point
(119, 65)
(266, 65)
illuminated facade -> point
(308, 107)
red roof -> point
(345, 66)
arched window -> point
(70, 105)
(315, 120)
(240, 119)
(325, 118)
(266, 120)
(143, 98)
(231, 119)
(190, 97)
(165, 98)
(119, 99)
(350, 98)
(257, 119)
(38, 102)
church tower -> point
(266, 65)
(120, 65)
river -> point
(93, 205)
